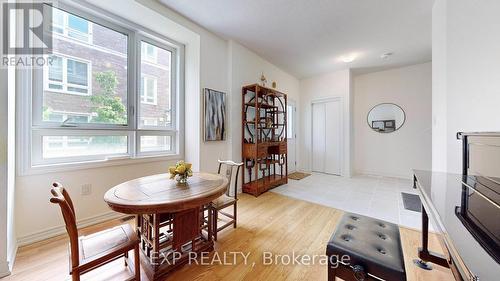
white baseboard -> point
(6, 266)
(386, 175)
(4, 269)
(12, 257)
(58, 230)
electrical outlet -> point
(86, 189)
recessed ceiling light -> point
(386, 55)
(348, 58)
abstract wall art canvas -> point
(215, 115)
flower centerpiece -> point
(181, 171)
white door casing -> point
(292, 136)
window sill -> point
(76, 166)
(67, 92)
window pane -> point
(71, 146)
(150, 49)
(77, 72)
(55, 69)
(150, 90)
(78, 118)
(78, 24)
(77, 90)
(156, 143)
(155, 87)
(143, 95)
(57, 21)
(55, 117)
(89, 80)
(149, 52)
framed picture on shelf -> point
(214, 103)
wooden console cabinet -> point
(264, 138)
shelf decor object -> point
(264, 139)
(215, 115)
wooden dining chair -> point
(94, 250)
(226, 200)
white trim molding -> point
(385, 175)
(11, 259)
(59, 230)
(4, 269)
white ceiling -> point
(308, 37)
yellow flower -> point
(188, 166)
(181, 169)
(171, 169)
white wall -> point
(4, 148)
(214, 75)
(439, 147)
(466, 67)
(245, 68)
(394, 154)
(467, 64)
(335, 84)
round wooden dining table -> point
(171, 219)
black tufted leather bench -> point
(373, 247)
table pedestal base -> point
(170, 240)
(159, 272)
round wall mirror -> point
(386, 117)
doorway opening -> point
(327, 136)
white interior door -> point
(318, 137)
(291, 136)
(332, 137)
(327, 137)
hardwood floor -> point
(270, 223)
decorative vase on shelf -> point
(181, 171)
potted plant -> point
(181, 171)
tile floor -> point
(374, 196)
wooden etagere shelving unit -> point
(264, 139)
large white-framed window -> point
(130, 109)
(149, 89)
(69, 75)
(71, 26)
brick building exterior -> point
(83, 48)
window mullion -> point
(134, 95)
(65, 73)
(66, 25)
